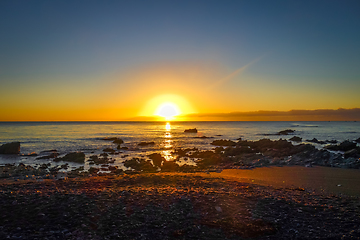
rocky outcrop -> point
(285, 132)
(344, 146)
(193, 130)
(77, 157)
(157, 159)
(10, 148)
(314, 140)
(223, 142)
(296, 139)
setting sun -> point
(168, 110)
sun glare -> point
(168, 110)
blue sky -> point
(303, 46)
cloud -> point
(340, 114)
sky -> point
(120, 60)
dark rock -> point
(169, 166)
(140, 165)
(286, 132)
(109, 150)
(223, 142)
(96, 160)
(142, 144)
(193, 130)
(344, 146)
(351, 153)
(296, 139)
(109, 138)
(46, 151)
(314, 140)
(118, 141)
(10, 148)
(52, 155)
(203, 137)
(357, 140)
(78, 157)
(157, 159)
(33, 154)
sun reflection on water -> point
(167, 143)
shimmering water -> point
(86, 136)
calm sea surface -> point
(67, 137)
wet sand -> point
(325, 179)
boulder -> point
(285, 132)
(109, 150)
(118, 141)
(357, 140)
(296, 139)
(77, 157)
(10, 148)
(223, 142)
(52, 155)
(344, 146)
(169, 166)
(157, 159)
(193, 130)
(314, 140)
(351, 153)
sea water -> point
(87, 137)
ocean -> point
(68, 137)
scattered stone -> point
(10, 148)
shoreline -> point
(171, 206)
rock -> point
(331, 141)
(285, 132)
(52, 155)
(118, 141)
(203, 137)
(157, 159)
(169, 166)
(357, 140)
(140, 165)
(109, 138)
(78, 157)
(10, 148)
(109, 150)
(223, 142)
(142, 144)
(351, 153)
(296, 139)
(344, 146)
(314, 140)
(193, 130)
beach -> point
(180, 182)
(172, 206)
